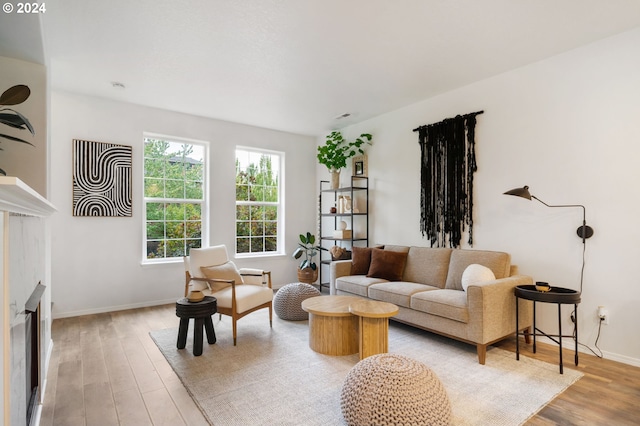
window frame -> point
(280, 223)
(204, 204)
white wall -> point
(96, 262)
(29, 163)
(568, 127)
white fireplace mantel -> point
(18, 197)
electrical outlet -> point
(603, 315)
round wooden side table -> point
(556, 295)
(201, 313)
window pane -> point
(242, 229)
(155, 230)
(174, 211)
(153, 188)
(174, 171)
(242, 212)
(271, 244)
(257, 188)
(175, 229)
(194, 230)
(193, 190)
(257, 212)
(257, 228)
(155, 211)
(174, 189)
(242, 245)
(257, 244)
(271, 213)
(242, 192)
(155, 249)
(271, 228)
(175, 248)
(154, 167)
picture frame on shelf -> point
(360, 165)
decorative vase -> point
(307, 275)
(335, 178)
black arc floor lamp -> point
(583, 231)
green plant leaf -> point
(11, 138)
(15, 95)
(21, 118)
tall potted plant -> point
(308, 269)
(336, 151)
(13, 96)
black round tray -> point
(555, 295)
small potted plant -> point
(307, 270)
(337, 150)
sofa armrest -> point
(337, 269)
(492, 308)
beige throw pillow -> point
(226, 271)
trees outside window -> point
(258, 201)
(174, 197)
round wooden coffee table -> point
(373, 325)
(332, 328)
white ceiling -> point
(294, 65)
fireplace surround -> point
(25, 320)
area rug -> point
(272, 377)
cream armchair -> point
(238, 291)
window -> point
(258, 201)
(174, 197)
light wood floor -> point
(106, 370)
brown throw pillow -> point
(386, 264)
(360, 260)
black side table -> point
(201, 312)
(557, 295)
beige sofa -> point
(427, 288)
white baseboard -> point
(569, 344)
(57, 315)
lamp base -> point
(585, 231)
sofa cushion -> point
(401, 249)
(427, 266)
(451, 304)
(356, 284)
(397, 292)
(475, 273)
(360, 260)
(387, 264)
(498, 262)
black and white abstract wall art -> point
(101, 179)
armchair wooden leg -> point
(235, 332)
(527, 335)
(270, 317)
(482, 353)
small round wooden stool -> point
(201, 312)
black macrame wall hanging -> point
(446, 175)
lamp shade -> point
(520, 192)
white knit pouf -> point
(288, 300)
(390, 389)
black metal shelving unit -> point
(358, 222)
